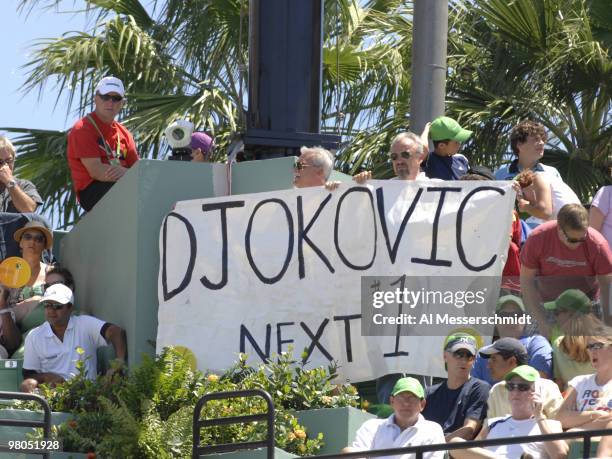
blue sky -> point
(19, 31)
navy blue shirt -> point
(446, 167)
(451, 407)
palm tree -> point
(179, 64)
(539, 60)
(548, 60)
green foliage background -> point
(548, 60)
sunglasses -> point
(521, 387)
(36, 237)
(571, 240)
(54, 306)
(463, 355)
(298, 166)
(598, 346)
(107, 97)
(8, 162)
(403, 154)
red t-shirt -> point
(85, 142)
(560, 268)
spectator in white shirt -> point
(53, 349)
(405, 427)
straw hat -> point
(38, 226)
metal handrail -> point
(45, 424)
(419, 450)
(268, 416)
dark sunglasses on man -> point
(403, 154)
(572, 240)
(299, 165)
(107, 97)
(521, 387)
(54, 306)
(463, 355)
(7, 162)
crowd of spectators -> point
(544, 378)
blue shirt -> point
(510, 170)
(446, 167)
(451, 407)
(540, 358)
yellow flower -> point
(80, 350)
(212, 378)
(301, 448)
(300, 433)
(327, 400)
(291, 436)
(365, 404)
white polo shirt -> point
(45, 353)
(385, 433)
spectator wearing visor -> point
(458, 404)
(504, 356)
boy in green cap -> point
(405, 427)
(445, 162)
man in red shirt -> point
(564, 254)
(100, 150)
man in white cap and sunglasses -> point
(100, 149)
(53, 349)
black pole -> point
(285, 73)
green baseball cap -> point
(510, 299)
(570, 300)
(443, 128)
(523, 371)
(408, 385)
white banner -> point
(261, 272)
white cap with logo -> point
(58, 293)
(110, 84)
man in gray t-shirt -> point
(16, 195)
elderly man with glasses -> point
(53, 349)
(100, 149)
(313, 167)
(16, 195)
(564, 254)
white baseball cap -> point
(58, 293)
(110, 84)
